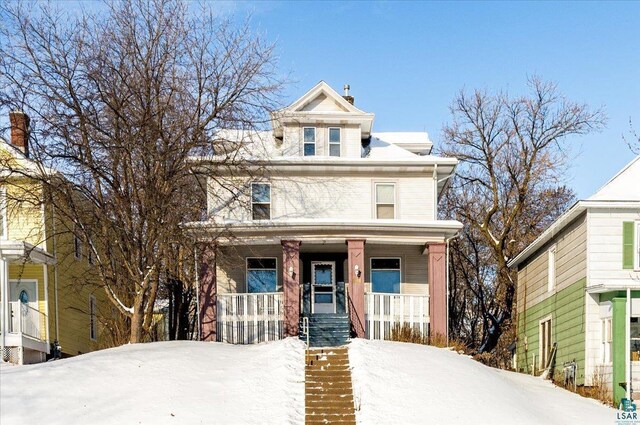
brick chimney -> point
(20, 131)
(346, 95)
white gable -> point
(624, 186)
(322, 103)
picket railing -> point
(384, 311)
(250, 318)
(26, 320)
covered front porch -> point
(24, 301)
(261, 291)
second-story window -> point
(334, 142)
(385, 200)
(551, 271)
(260, 201)
(77, 245)
(309, 141)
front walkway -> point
(328, 388)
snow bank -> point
(176, 382)
(416, 384)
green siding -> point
(567, 310)
(619, 306)
(627, 244)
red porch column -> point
(291, 286)
(207, 294)
(355, 250)
(438, 289)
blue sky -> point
(405, 61)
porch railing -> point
(250, 318)
(26, 320)
(383, 312)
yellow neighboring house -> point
(47, 305)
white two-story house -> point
(328, 221)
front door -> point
(323, 287)
(24, 291)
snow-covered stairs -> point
(328, 389)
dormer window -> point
(309, 141)
(334, 141)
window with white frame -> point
(385, 275)
(261, 201)
(385, 197)
(334, 141)
(606, 338)
(545, 342)
(3, 213)
(637, 245)
(309, 145)
(262, 275)
(93, 319)
(551, 275)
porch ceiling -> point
(392, 232)
(13, 251)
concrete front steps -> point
(328, 387)
(327, 330)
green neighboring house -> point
(573, 283)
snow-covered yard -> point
(416, 384)
(160, 383)
(196, 382)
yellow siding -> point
(76, 279)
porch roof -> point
(267, 232)
(24, 251)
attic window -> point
(309, 141)
(334, 141)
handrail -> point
(26, 320)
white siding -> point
(350, 141)
(605, 247)
(340, 197)
(593, 313)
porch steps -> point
(328, 388)
(327, 330)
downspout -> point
(627, 328)
(55, 273)
(197, 275)
(4, 304)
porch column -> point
(291, 286)
(207, 292)
(355, 250)
(437, 289)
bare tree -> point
(120, 101)
(513, 154)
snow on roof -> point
(404, 137)
(381, 149)
(624, 186)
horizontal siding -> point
(567, 310)
(605, 246)
(571, 256)
(311, 197)
(231, 269)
